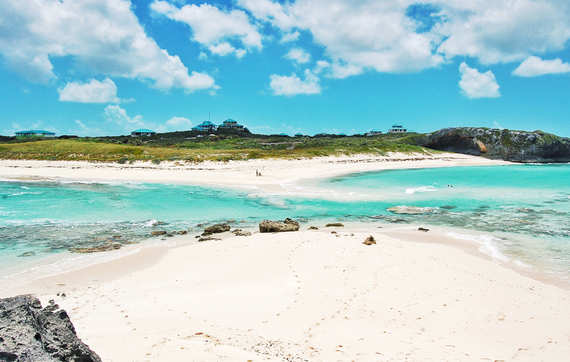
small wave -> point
(489, 244)
(421, 189)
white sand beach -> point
(233, 173)
(311, 295)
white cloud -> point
(293, 85)
(289, 37)
(534, 66)
(224, 49)
(477, 85)
(213, 27)
(103, 36)
(178, 124)
(92, 92)
(503, 31)
(298, 55)
(383, 35)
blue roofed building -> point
(35, 133)
(232, 124)
(398, 128)
(205, 126)
(374, 132)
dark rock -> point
(98, 248)
(313, 228)
(207, 238)
(267, 226)
(333, 232)
(158, 232)
(116, 236)
(369, 240)
(334, 224)
(240, 232)
(27, 254)
(29, 333)
(515, 146)
(182, 232)
(423, 229)
(216, 229)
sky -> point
(108, 67)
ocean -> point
(517, 213)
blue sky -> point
(107, 67)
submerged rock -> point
(182, 232)
(267, 226)
(98, 248)
(216, 229)
(30, 333)
(27, 254)
(334, 224)
(158, 232)
(410, 210)
(369, 240)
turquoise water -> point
(518, 213)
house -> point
(231, 124)
(398, 128)
(298, 135)
(205, 126)
(374, 132)
(142, 132)
(35, 133)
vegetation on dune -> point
(220, 147)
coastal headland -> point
(310, 295)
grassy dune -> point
(216, 148)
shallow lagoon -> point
(518, 213)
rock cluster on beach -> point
(268, 226)
(30, 333)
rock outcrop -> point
(369, 240)
(267, 226)
(334, 224)
(29, 333)
(216, 229)
(515, 146)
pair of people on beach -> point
(257, 173)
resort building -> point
(374, 132)
(35, 133)
(398, 128)
(205, 126)
(231, 124)
(142, 132)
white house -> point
(398, 128)
(205, 126)
(374, 132)
(231, 124)
(35, 133)
(142, 132)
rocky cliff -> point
(30, 333)
(516, 146)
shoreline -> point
(311, 295)
(234, 174)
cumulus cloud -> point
(92, 92)
(503, 30)
(292, 85)
(103, 36)
(289, 37)
(298, 55)
(534, 66)
(178, 124)
(477, 85)
(213, 27)
(410, 35)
